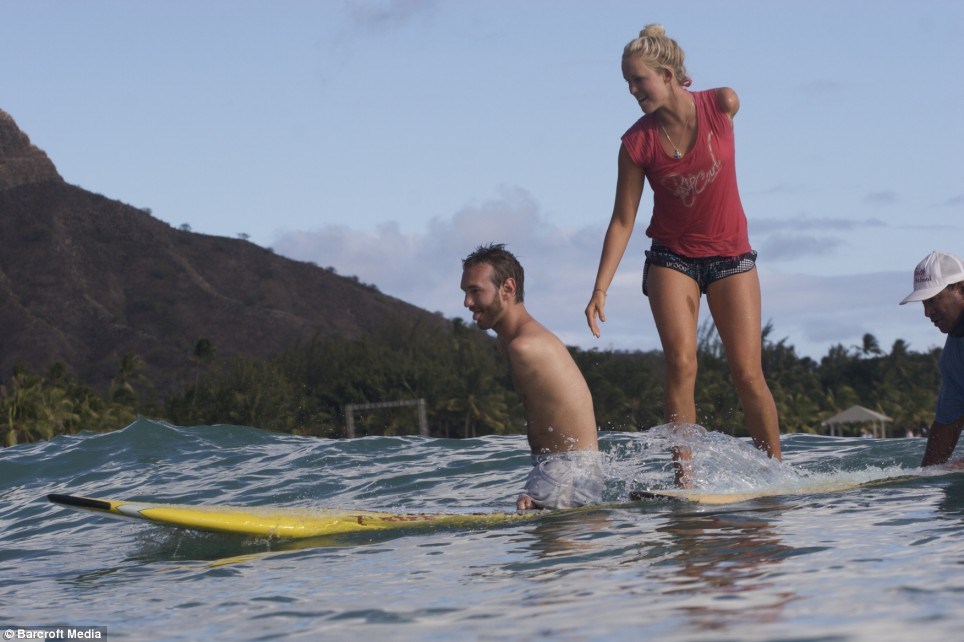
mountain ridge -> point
(85, 279)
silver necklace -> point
(676, 152)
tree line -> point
(465, 385)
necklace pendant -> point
(676, 154)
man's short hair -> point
(504, 266)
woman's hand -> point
(596, 308)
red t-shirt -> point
(696, 204)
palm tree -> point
(128, 372)
(870, 345)
(20, 404)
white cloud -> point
(816, 312)
(789, 239)
(777, 247)
(881, 198)
(424, 268)
(387, 15)
(805, 222)
(954, 201)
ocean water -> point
(881, 562)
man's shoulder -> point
(954, 349)
(531, 337)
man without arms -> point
(561, 424)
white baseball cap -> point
(933, 274)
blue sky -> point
(388, 138)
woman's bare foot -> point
(525, 503)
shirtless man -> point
(561, 426)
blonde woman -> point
(684, 146)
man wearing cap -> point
(939, 284)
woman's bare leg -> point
(675, 301)
(735, 305)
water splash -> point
(721, 463)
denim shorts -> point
(705, 270)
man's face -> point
(946, 310)
(482, 297)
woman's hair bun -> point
(659, 51)
(654, 30)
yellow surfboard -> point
(286, 523)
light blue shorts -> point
(566, 479)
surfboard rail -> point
(805, 487)
(286, 523)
